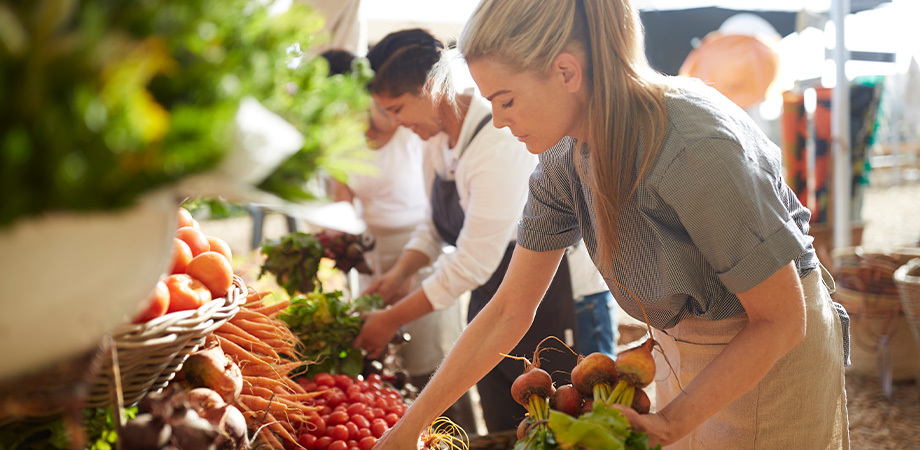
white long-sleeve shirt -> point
(492, 182)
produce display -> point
(326, 325)
(353, 413)
(200, 271)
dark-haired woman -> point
(476, 176)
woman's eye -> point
(508, 105)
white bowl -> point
(68, 279)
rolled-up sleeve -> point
(729, 202)
(549, 221)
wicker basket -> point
(907, 279)
(150, 354)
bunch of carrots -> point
(270, 400)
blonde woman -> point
(679, 198)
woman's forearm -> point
(776, 324)
(496, 330)
(409, 263)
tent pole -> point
(840, 130)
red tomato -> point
(322, 443)
(156, 305)
(352, 430)
(186, 293)
(213, 270)
(391, 419)
(338, 398)
(316, 425)
(308, 441)
(309, 386)
(367, 443)
(221, 246)
(181, 256)
(365, 432)
(338, 445)
(378, 412)
(378, 427)
(352, 444)
(338, 433)
(356, 408)
(185, 219)
(374, 378)
(360, 421)
(342, 381)
(195, 238)
(324, 379)
(337, 418)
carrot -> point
(255, 298)
(266, 382)
(230, 328)
(273, 309)
(239, 354)
(250, 315)
(255, 347)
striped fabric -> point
(713, 216)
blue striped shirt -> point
(713, 216)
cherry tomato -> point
(338, 433)
(342, 381)
(365, 432)
(367, 443)
(360, 421)
(378, 427)
(352, 430)
(324, 379)
(356, 408)
(391, 419)
(336, 399)
(337, 418)
(357, 397)
(322, 443)
(316, 425)
(308, 441)
(338, 445)
(378, 412)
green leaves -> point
(603, 427)
(326, 326)
(293, 260)
(104, 100)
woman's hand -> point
(391, 286)
(399, 436)
(656, 426)
(376, 332)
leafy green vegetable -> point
(539, 438)
(326, 326)
(99, 424)
(603, 427)
(294, 261)
(104, 100)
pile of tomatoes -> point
(200, 271)
(354, 412)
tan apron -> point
(800, 404)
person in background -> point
(595, 309)
(680, 200)
(392, 203)
(476, 182)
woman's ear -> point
(568, 69)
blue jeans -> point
(596, 320)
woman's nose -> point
(500, 120)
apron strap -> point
(476, 131)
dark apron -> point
(555, 315)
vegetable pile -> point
(353, 413)
(326, 325)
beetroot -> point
(567, 399)
(594, 375)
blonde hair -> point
(625, 109)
